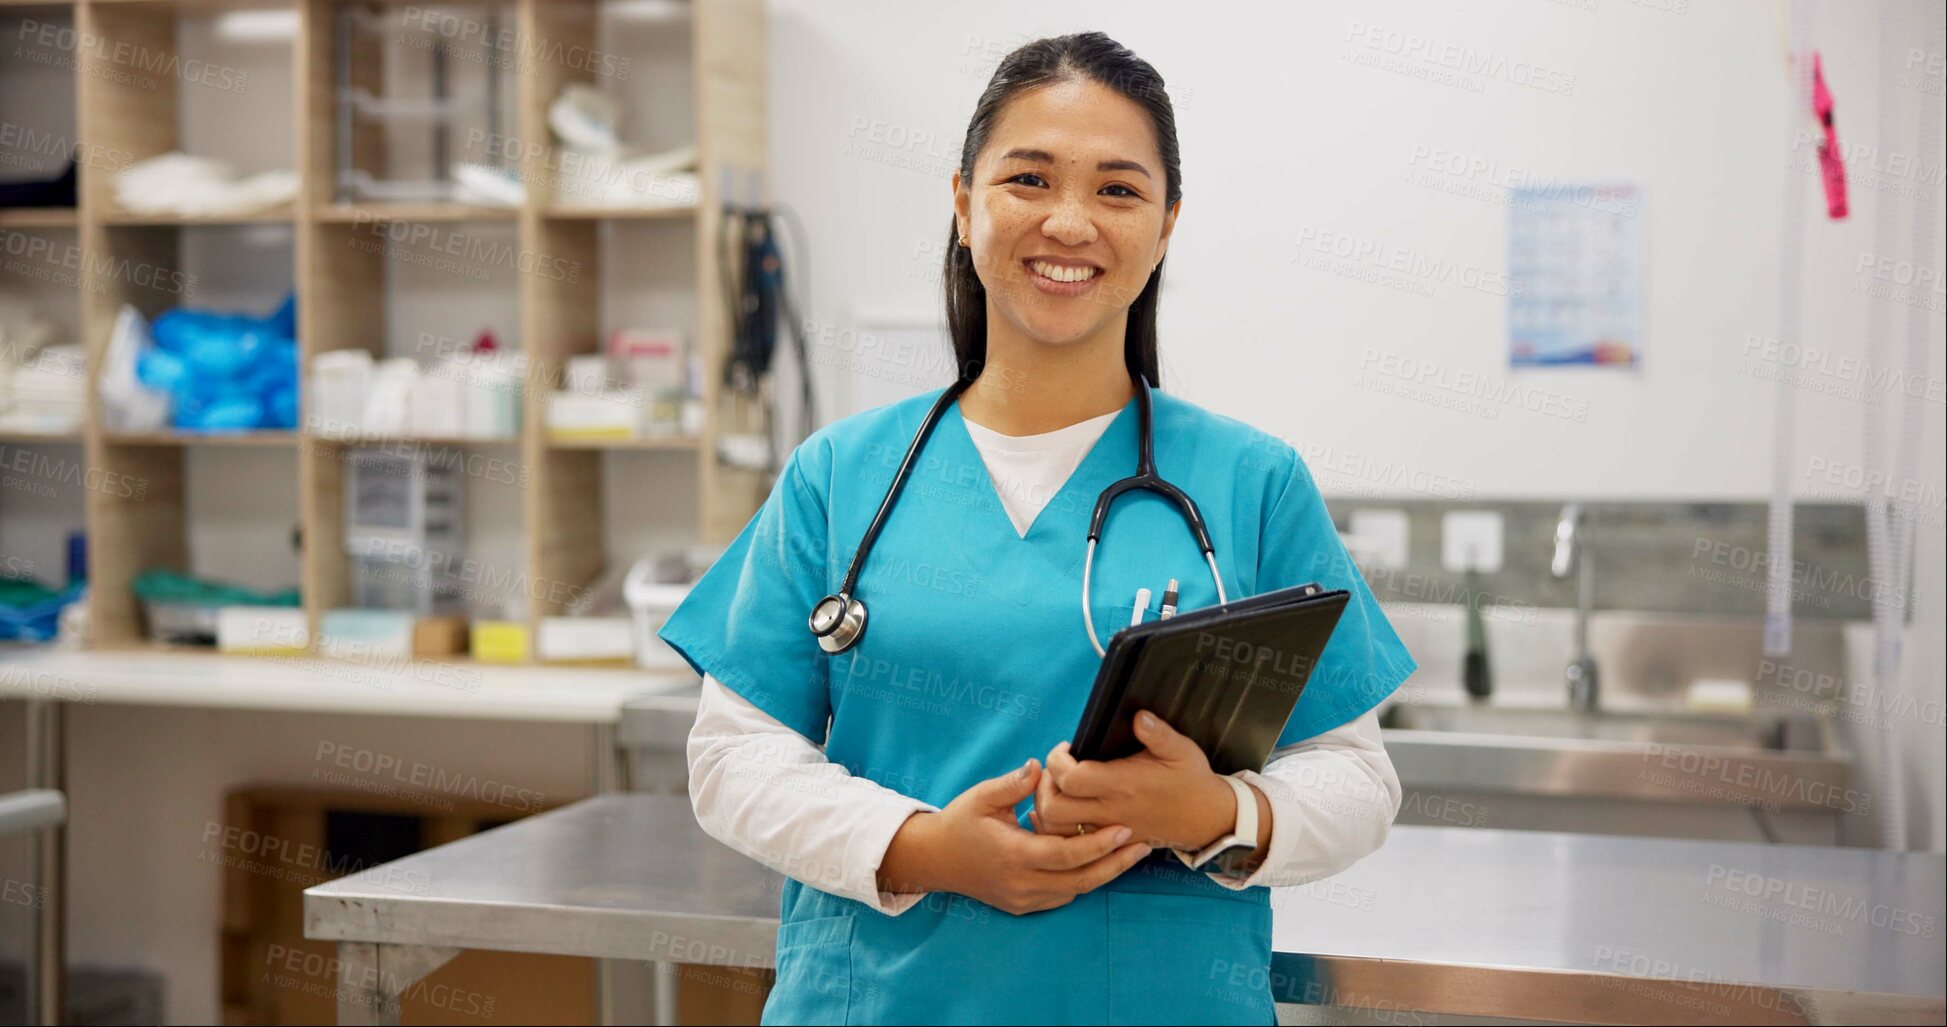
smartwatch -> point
(1242, 838)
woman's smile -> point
(1061, 279)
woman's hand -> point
(1167, 793)
(976, 848)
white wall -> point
(1287, 131)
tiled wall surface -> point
(1653, 557)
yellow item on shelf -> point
(585, 434)
(499, 641)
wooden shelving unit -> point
(39, 217)
(343, 291)
(273, 216)
(619, 214)
(189, 438)
(436, 213)
(652, 442)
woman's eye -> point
(1126, 193)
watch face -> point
(1231, 859)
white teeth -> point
(1062, 274)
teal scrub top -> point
(975, 659)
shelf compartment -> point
(39, 217)
(194, 438)
(562, 213)
(359, 213)
(280, 215)
(671, 443)
(456, 441)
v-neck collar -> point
(1122, 426)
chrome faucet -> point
(1572, 555)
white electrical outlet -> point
(1382, 536)
(1470, 538)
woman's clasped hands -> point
(1167, 794)
(1092, 820)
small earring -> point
(963, 240)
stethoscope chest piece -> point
(838, 621)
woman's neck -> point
(1027, 387)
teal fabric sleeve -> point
(746, 621)
(1365, 660)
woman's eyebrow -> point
(1044, 157)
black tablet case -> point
(1226, 675)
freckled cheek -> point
(1005, 228)
(1003, 245)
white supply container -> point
(365, 635)
(493, 394)
(264, 630)
(650, 604)
(587, 373)
(609, 414)
(438, 406)
(584, 640)
(388, 405)
(340, 380)
(651, 359)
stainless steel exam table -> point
(1446, 920)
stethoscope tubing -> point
(899, 480)
(838, 627)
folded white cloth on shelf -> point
(54, 375)
(595, 169)
(487, 187)
(625, 183)
(176, 183)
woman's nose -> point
(1069, 223)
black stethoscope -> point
(838, 620)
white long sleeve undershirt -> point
(767, 791)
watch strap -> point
(1243, 833)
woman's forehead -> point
(1074, 122)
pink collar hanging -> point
(1831, 169)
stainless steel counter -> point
(1472, 922)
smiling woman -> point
(882, 763)
(1068, 188)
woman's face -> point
(1070, 177)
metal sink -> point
(1779, 732)
(1641, 762)
(1767, 760)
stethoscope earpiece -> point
(838, 621)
